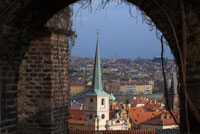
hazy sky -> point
(121, 35)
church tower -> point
(97, 100)
(173, 93)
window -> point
(86, 117)
(103, 116)
(117, 121)
(102, 102)
(91, 100)
(90, 116)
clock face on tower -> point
(103, 116)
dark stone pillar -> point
(9, 71)
(43, 86)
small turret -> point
(112, 98)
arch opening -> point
(77, 68)
(29, 18)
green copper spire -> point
(97, 79)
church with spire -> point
(97, 101)
(101, 111)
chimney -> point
(162, 105)
(162, 117)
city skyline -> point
(120, 37)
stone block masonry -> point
(8, 88)
(43, 86)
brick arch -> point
(23, 23)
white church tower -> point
(97, 100)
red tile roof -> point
(140, 101)
(163, 118)
(145, 78)
(76, 107)
(154, 107)
(76, 117)
(140, 115)
(80, 122)
(76, 84)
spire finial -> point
(97, 32)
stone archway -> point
(23, 22)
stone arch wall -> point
(21, 21)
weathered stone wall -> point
(42, 86)
(42, 109)
(9, 67)
(8, 100)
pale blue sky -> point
(121, 35)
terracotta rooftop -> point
(76, 107)
(140, 101)
(140, 115)
(76, 117)
(76, 84)
(145, 78)
(80, 122)
(163, 119)
(154, 106)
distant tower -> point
(173, 93)
(96, 101)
